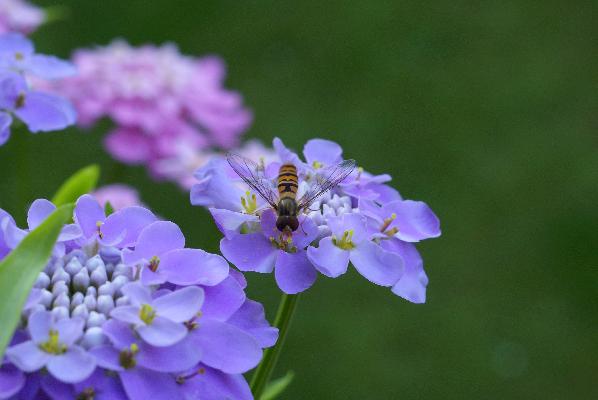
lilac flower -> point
(118, 195)
(102, 332)
(362, 221)
(161, 257)
(165, 105)
(39, 110)
(38, 211)
(19, 16)
(52, 345)
(159, 321)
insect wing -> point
(252, 174)
(329, 178)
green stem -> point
(286, 308)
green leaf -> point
(19, 270)
(277, 386)
(82, 182)
(108, 208)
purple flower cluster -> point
(19, 16)
(164, 104)
(123, 310)
(362, 221)
(39, 110)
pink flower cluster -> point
(163, 103)
(19, 16)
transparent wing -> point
(330, 177)
(252, 174)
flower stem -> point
(286, 308)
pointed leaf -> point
(82, 182)
(277, 386)
(20, 268)
(108, 208)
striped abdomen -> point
(287, 181)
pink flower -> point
(19, 16)
(120, 196)
(161, 101)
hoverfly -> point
(285, 203)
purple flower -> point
(19, 16)
(39, 110)
(350, 242)
(159, 321)
(52, 345)
(166, 106)
(103, 332)
(161, 257)
(361, 221)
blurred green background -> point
(485, 110)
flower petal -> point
(137, 293)
(223, 300)
(376, 264)
(5, 122)
(73, 366)
(213, 384)
(11, 380)
(162, 332)
(39, 325)
(329, 259)
(178, 357)
(12, 43)
(193, 267)
(180, 305)
(415, 220)
(226, 347)
(230, 222)
(27, 356)
(323, 152)
(40, 210)
(158, 238)
(69, 330)
(123, 227)
(412, 285)
(294, 273)
(50, 67)
(252, 319)
(107, 357)
(128, 314)
(143, 384)
(46, 112)
(88, 213)
(249, 252)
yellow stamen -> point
(147, 314)
(53, 346)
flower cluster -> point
(164, 104)
(361, 221)
(39, 110)
(19, 16)
(124, 310)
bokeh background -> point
(485, 110)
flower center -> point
(346, 241)
(53, 346)
(154, 262)
(87, 394)
(147, 314)
(19, 56)
(387, 221)
(20, 101)
(317, 165)
(182, 378)
(284, 242)
(98, 226)
(249, 203)
(126, 358)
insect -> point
(285, 203)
